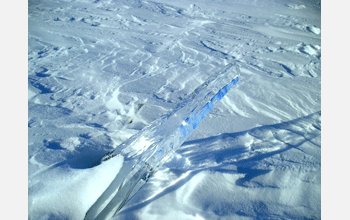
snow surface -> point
(100, 71)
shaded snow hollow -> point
(100, 71)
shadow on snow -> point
(197, 151)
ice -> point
(145, 152)
(101, 73)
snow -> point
(67, 193)
(100, 71)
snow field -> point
(100, 71)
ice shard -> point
(146, 151)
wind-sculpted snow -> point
(100, 72)
(271, 171)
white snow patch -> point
(70, 143)
(296, 6)
(314, 29)
(69, 194)
(31, 94)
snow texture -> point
(101, 71)
(146, 151)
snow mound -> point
(314, 29)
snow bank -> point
(59, 192)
